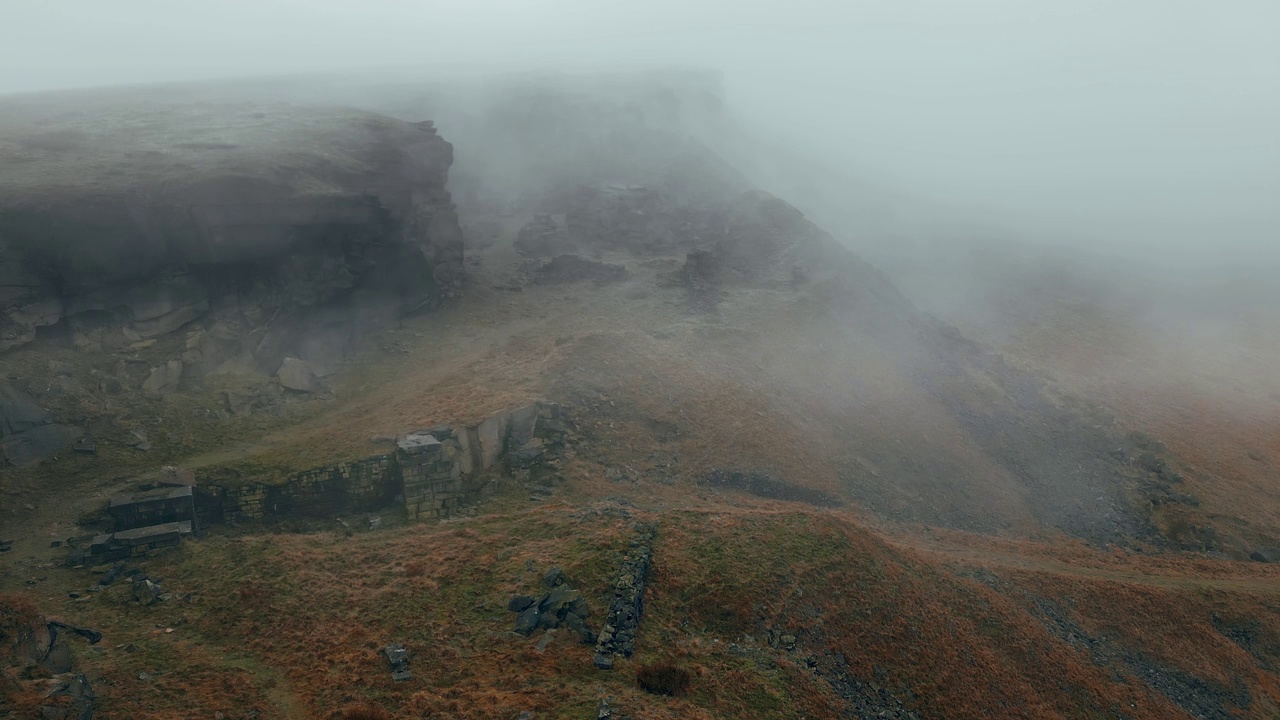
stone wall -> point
(320, 492)
(432, 474)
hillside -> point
(857, 511)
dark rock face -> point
(573, 268)
(28, 432)
(259, 226)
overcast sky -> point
(1147, 123)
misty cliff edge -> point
(278, 229)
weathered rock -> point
(579, 626)
(553, 577)
(146, 592)
(542, 237)
(85, 445)
(296, 374)
(558, 599)
(1265, 555)
(575, 268)
(19, 413)
(164, 378)
(163, 211)
(520, 603)
(38, 443)
(79, 703)
(528, 620)
(398, 659)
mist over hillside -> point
(664, 361)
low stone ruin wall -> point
(320, 492)
(434, 473)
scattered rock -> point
(164, 378)
(112, 574)
(545, 641)
(140, 441)
(146, 592)
(79, 703)
(295, 374)
(542, 237)
(398, 658)
(1265, 555)
(553, 577)
(28, 432)
(520, 603)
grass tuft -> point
(664, 679)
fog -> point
(1143, 128)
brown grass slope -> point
(777, 609)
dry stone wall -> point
(320, 492)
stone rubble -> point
(560, 607)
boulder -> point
(528, 620)
(38, 443)
(398, 658)
(164, 378)
(295, 374)
(553, 577)
(146, 592)
(520, 603)
(1265, 555)
(18, 412)
(575, 268)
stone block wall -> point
(432, 473)
(321, 492)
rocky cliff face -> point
(269, 229)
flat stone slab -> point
(161, 494)
(418, 443)
(145, 534)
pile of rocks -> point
(70, 698)
(560, 606)
(37, 647)
(619, 632)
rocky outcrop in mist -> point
(274, 231)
